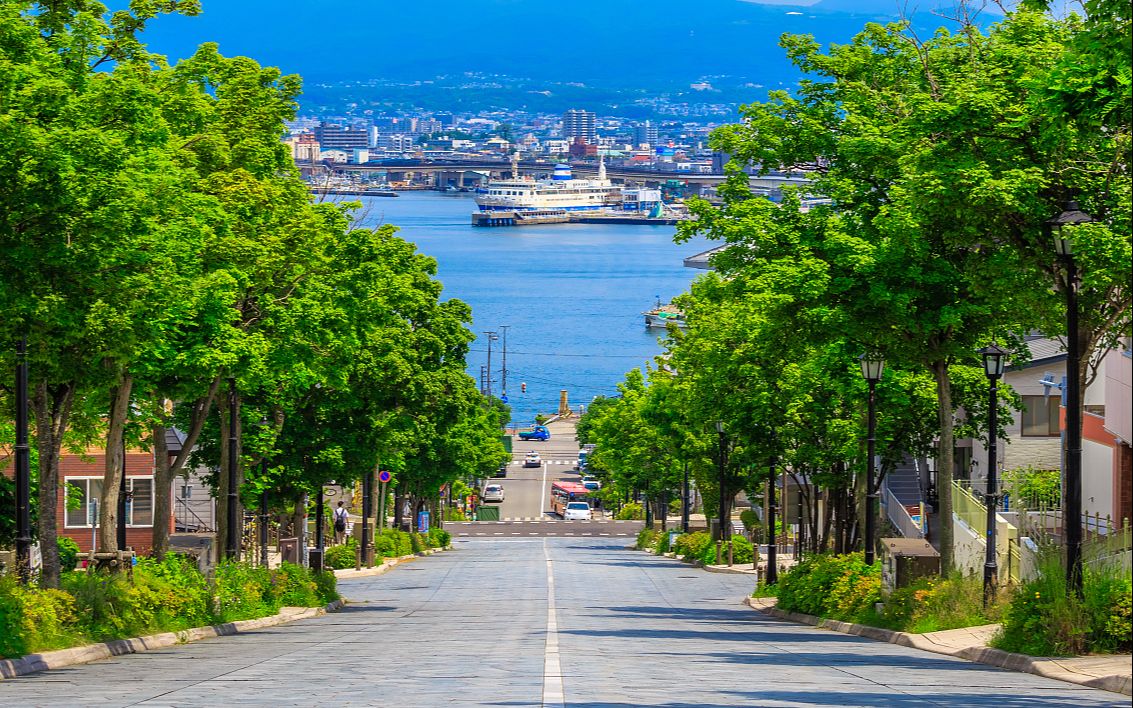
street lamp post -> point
(772, 546)
(994, 359)
(23, 466)
(873, 364)
(231, 542)
(720, 469)
(684, 502)
(1060, 228)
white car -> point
(532, 460)
(591, 483)
(493, 493)
(577, 511)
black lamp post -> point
(23, 466)
(1061, 230)
(231, 542)
(720, 470)
(684, 501)
(264, 423)
(772, 546)
(994, 358)
(873, 364)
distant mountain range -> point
(616, 43)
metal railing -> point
(899, 516)
(183, 513)
(973, 513)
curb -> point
(33, 663)
(1047, 668)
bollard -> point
(718, 553)
(729, 554)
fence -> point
(973, 513)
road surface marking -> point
(543, 491)
(497, 533)
(516, 533)
(553, 696)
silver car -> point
(493, 493)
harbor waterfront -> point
(570, 295)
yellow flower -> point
(1037, 596)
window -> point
(139, 507)
(1040, 416)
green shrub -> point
(185, 598)
(742, 550)
(417, 542)
(244, 592)
(294, 586)
(631, 512)
(935, 604)
(34, 620)
(692, 545)
(439, 538)
(68, 553)
(393, 543)
(662, 545)
(1042, 620)
(646, 539)
(340, 557)
(840, 587)
(111, 607)
(326, 587)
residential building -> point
(579, 125)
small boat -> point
(664, 314)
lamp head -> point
(1060, 227)
(873, 364)
(995, 359)
(720, 426)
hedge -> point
(163, 596)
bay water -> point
(570, 295)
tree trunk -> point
(115, 458)
(162, 492)
(944, 463)
(52, 410)
(169, 470)
(398, 507)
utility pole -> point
(492, 336)
(772, 559)
(23, 466)
(503, 370)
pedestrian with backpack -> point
(340, 516)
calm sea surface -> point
(571, 294)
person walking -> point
(340, 516)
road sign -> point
(384, 476)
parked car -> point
(577, 511)
(493, 493)
(591, 483)
(532, 460)
(502, 471)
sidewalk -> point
(1107, 672)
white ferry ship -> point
(561, 193)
